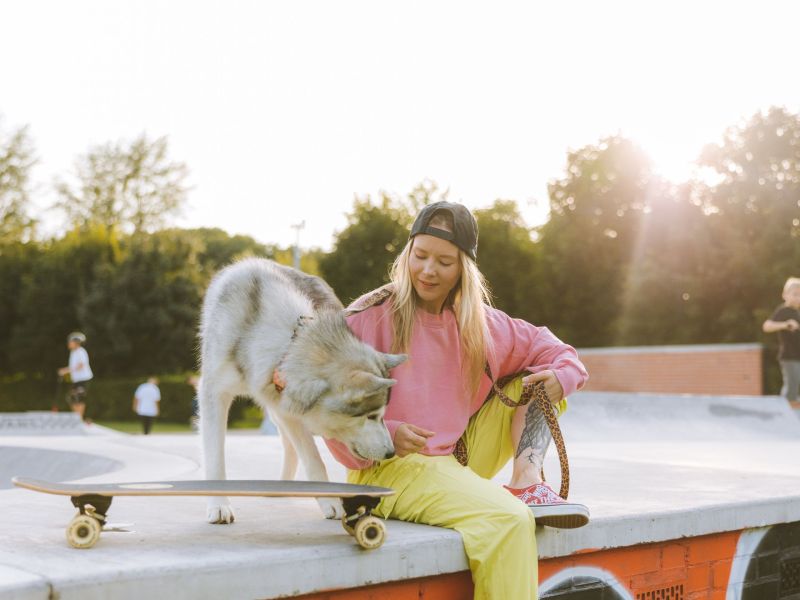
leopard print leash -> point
(537, 393)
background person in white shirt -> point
(80, 373)
(145, 403)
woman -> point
(436, 310)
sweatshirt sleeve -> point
(521, 346)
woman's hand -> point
(792, 325)
(551, 385)
(409, 439)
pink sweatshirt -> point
(429, 391)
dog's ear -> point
(308, 392)
(369, 383)
(393, 360)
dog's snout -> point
(389, 454)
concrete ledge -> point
(20, 585)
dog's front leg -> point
(214, 409)
(289, 467)
(315, 469)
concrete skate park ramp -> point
(50, 465)
(42, 463)
(620, 417)
(41, 423)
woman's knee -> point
(523, 515)
(512, 515)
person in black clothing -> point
(786, 322)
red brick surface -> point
(715, 370)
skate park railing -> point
(41, 423)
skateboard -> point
(94, 499)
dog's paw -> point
(219, 513)
(331, 507)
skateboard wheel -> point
(370, 532)
(83, 531)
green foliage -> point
(110, 398)
(142, 312)
(753, 219)
(16, 159)
(137, 298)
(587, 244)
(509, 260)
(51, 295)
(219, 249)
(16, 262)
(365, 250)
(375, 234)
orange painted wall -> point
(734, 370)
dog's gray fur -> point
(336, 386)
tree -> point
(753, 209)
(17, 157)
(374, 236)
(134, 187)
(664, 285)
(508, 258)
(142, 312)
(218, 248)
(50, 300)
(587, 246)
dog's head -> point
(343, 390)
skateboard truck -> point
(93, 505)
(358, 521)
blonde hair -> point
(790, 283)
(468, 299)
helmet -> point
(76, 336)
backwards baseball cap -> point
(465, 228)
(76, 336)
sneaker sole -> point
(561, 516)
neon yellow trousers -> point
(498, 530)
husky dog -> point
(280, 337)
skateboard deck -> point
(94, 499)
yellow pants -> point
(498, 530)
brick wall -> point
(756, 564)
(716, 369)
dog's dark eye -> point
(373, 417)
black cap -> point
(465, 227)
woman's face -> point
(435, 269)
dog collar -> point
(278, 379)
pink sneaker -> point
(550, 509)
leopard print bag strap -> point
(374, 298)
(537, 393)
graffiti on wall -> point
(755, 564)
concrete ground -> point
(650, 467)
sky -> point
(285, 111)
